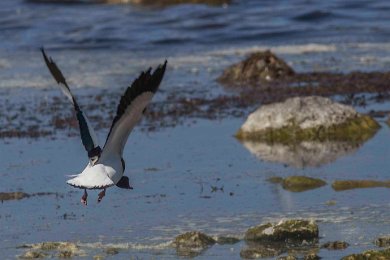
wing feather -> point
(131, 107)
(88, 136)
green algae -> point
(301, 183)
(358, 129)
(341, 185)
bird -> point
(106, 166)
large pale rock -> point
(307, 118)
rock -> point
(259, 252)
(307, 119)
(370, 255)
(111, 251)
(227, 240)
(284, 231)
(13, 195)
(192, 243)
(258, 67)
(358, 184)
(311, 257)
(335, 245)
(64, 249)
(33, 255)
(301, 154)
(383, 241)
(98, 257)
(288, 257)
(301, 183)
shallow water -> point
(172, 172)
(174, 169)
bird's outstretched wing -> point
(131, 108)
(87, 133)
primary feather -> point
(88, 136)
(131, 107)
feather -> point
(131, 107)
(88, 136)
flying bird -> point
(106, 166)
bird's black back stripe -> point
(146, 82)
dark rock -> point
(335, 245)
(342, 185)
(192, 243)
(383, 241)
(227, 240)
(301, 183)
(111, 251)
(258, 67)
(370, 255)
(284, 231)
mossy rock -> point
(370, 255)
(192, 243)
(341, 185)
(287, 257)
(383, 241)
(284, 231)
(358, 129)
(260, 251)
(301, 183)
(310, 118)
(13, 195)
(33, 254)
(311, 257)
(63, 249)
(256, 68)
(335, 245)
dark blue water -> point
(173, 169)
(27, 26)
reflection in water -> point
(301, 155)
